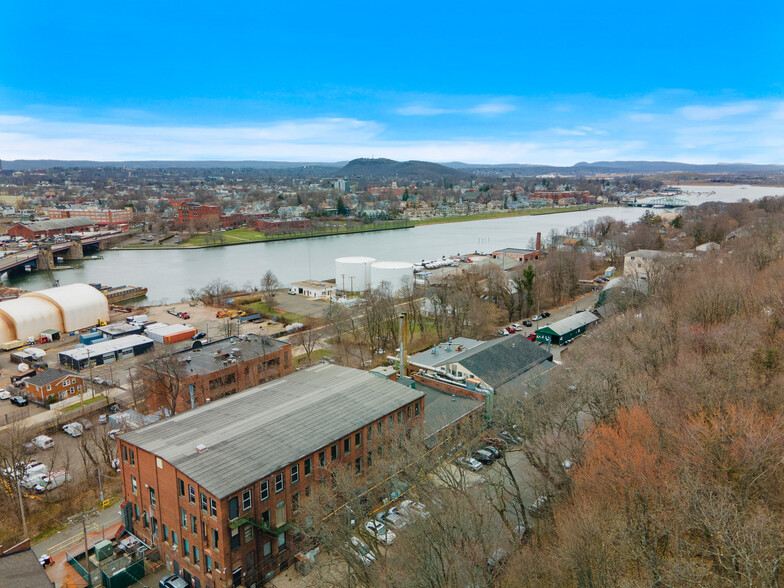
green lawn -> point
(289, 317)
(502, 214)
(87, 401)
(315, 357)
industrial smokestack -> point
(403, 329)
(538, 241)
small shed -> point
(566, 329)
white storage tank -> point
(352, 274)
(393, 273)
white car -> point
(393, 517)
(363, 551)
(73, 429)
(379, 532)
(413, 508)
(469, 463)
(4, 394)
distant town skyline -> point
(502, 83)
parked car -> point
(52, 480)
(545, 315)
(19, 401)
(4, 394)
(73, 429)
(495, 442)
(379, 532)
(173, 581)
(510, 438)
(362, 551)
(539, 505)
(113, 433)
(497, 559)
(511, 329)
(413, 508)
(469, 463)
(101, 419)
(99, 381)
(503, 332)
(531, 336)
(494, 451)
(198, 336)
(517, 327)
(43, 442)
(393, 517)
(528, 324)
(483, 456)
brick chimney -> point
(538, 241)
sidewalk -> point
(70, 537)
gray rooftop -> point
(60, 223)
(442, 409)
(211, 355)
(254, 433)
(496, 361)
(571, 323)
(514, 250)
(444, 352)
(22, 569)
(500, 360)
(49, 376)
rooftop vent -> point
(201, 448)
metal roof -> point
(254, 433)
(60, 223)
(498, 361)
(571, 323)
(99, 349)
(444, 353)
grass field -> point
(247, 235)
(316, 356)
(289, 317)
(502, 214)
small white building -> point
(313, 289)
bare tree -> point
(163, 380)
(269, 283)
(308, 338)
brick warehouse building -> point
(217, 369)
(216, 488)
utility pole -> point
(21, 504)
(86, 551)
(133, 389)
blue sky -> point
(489, 82)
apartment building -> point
(216, 488)
(100, 216)
(214, 370)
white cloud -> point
(491, 108)
(419, 110)
(485, 109)
(702, 112)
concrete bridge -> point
(42, 256)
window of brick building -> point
(295, 473)
(322, 458)
(308, 467)
(246, 500)
(191, 494)
(346, 445)
(264, 490)
(280, 482)
(333, 452)
(358, 439)
(215, 537)
(203, 498)
(213, 508)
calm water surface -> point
(169, 273)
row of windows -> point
(186, 549)
(294, 472)
(128, 455)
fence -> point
(22, 413)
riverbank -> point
(504, 214)
(245, 236)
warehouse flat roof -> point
(60, 223)
(106, 347)
(211, 355)
(254, 433)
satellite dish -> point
(23, 367)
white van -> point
(52, 481)
(34, 475)
(43, 442)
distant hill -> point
(25, 164)
(366, 168)
(388, 168)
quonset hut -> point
(66, 308)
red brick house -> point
(276, 224)
(216, 488)
(54, 385)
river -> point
(169, 273)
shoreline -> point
(269, 240)
(411, 225)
